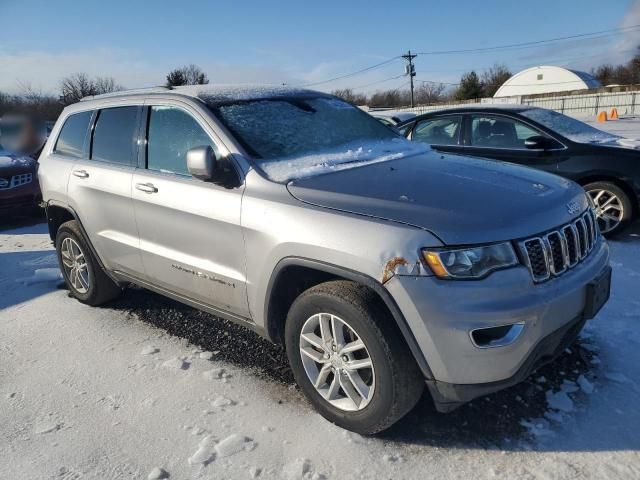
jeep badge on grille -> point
(573, 207)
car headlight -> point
(470, 262)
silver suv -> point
(380, 265)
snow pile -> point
(349, 156)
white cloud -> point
(627, 46)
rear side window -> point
(71, 139)
(114, 135)
(173, 132)
(438, 131)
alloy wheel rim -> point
(608, 208)
(337, 362)
(75, 265)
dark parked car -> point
(19, 188)
(607, 166)
(21, 140)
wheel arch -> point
(293, 275)
(57, 214)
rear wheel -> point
(348, 358)
(82, 273)
(612, 205)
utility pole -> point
(410, 70)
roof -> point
(484, 107)
(546, 79)
(218, 93)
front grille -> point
(553, 253)
(15, 181)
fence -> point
(575, 105)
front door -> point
(502, 138)
(191, 241)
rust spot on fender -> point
(390, 267)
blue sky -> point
(294, 42)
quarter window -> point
(71, 139)
(499, 132)
(172, 132)
(114, 135)
(438, 131)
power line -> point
(585, 36)
(376, 83)
(347, 75)
(613, 31)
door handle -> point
(146, 187)
(81, 173)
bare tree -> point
(348, 95)
(187, 75)
(80, 85)
(430, 92)
(493, 78)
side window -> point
(499, 132)
(171, 133)
(114, 135)
(70, 142)
(438, 131)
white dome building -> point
(546, 79)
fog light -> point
(496, 336)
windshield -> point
(298, 136)
(569, 127)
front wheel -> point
(612, 206)
(348, 359)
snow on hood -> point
(352, 155)
(9, 160)
(615, 141)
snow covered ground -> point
(146, 388)
(628, 126)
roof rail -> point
(157, 89)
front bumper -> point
(441, 314)
(17, 200)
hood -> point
(12, 164)
(619, 142)
(462, 200)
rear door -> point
(443, 133)
(502, 137)
(190, 236)
(100, 187)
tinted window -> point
(71, 139)
(114, 135)
(438, 131)
(499, 132)
(172, 132)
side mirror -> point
(537, 142)
(202, 162)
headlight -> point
(470, 262)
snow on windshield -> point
(348, 156)
(296, 136)
(571, 128)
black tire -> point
(398, 382)
(101, 288)
(627, 205)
